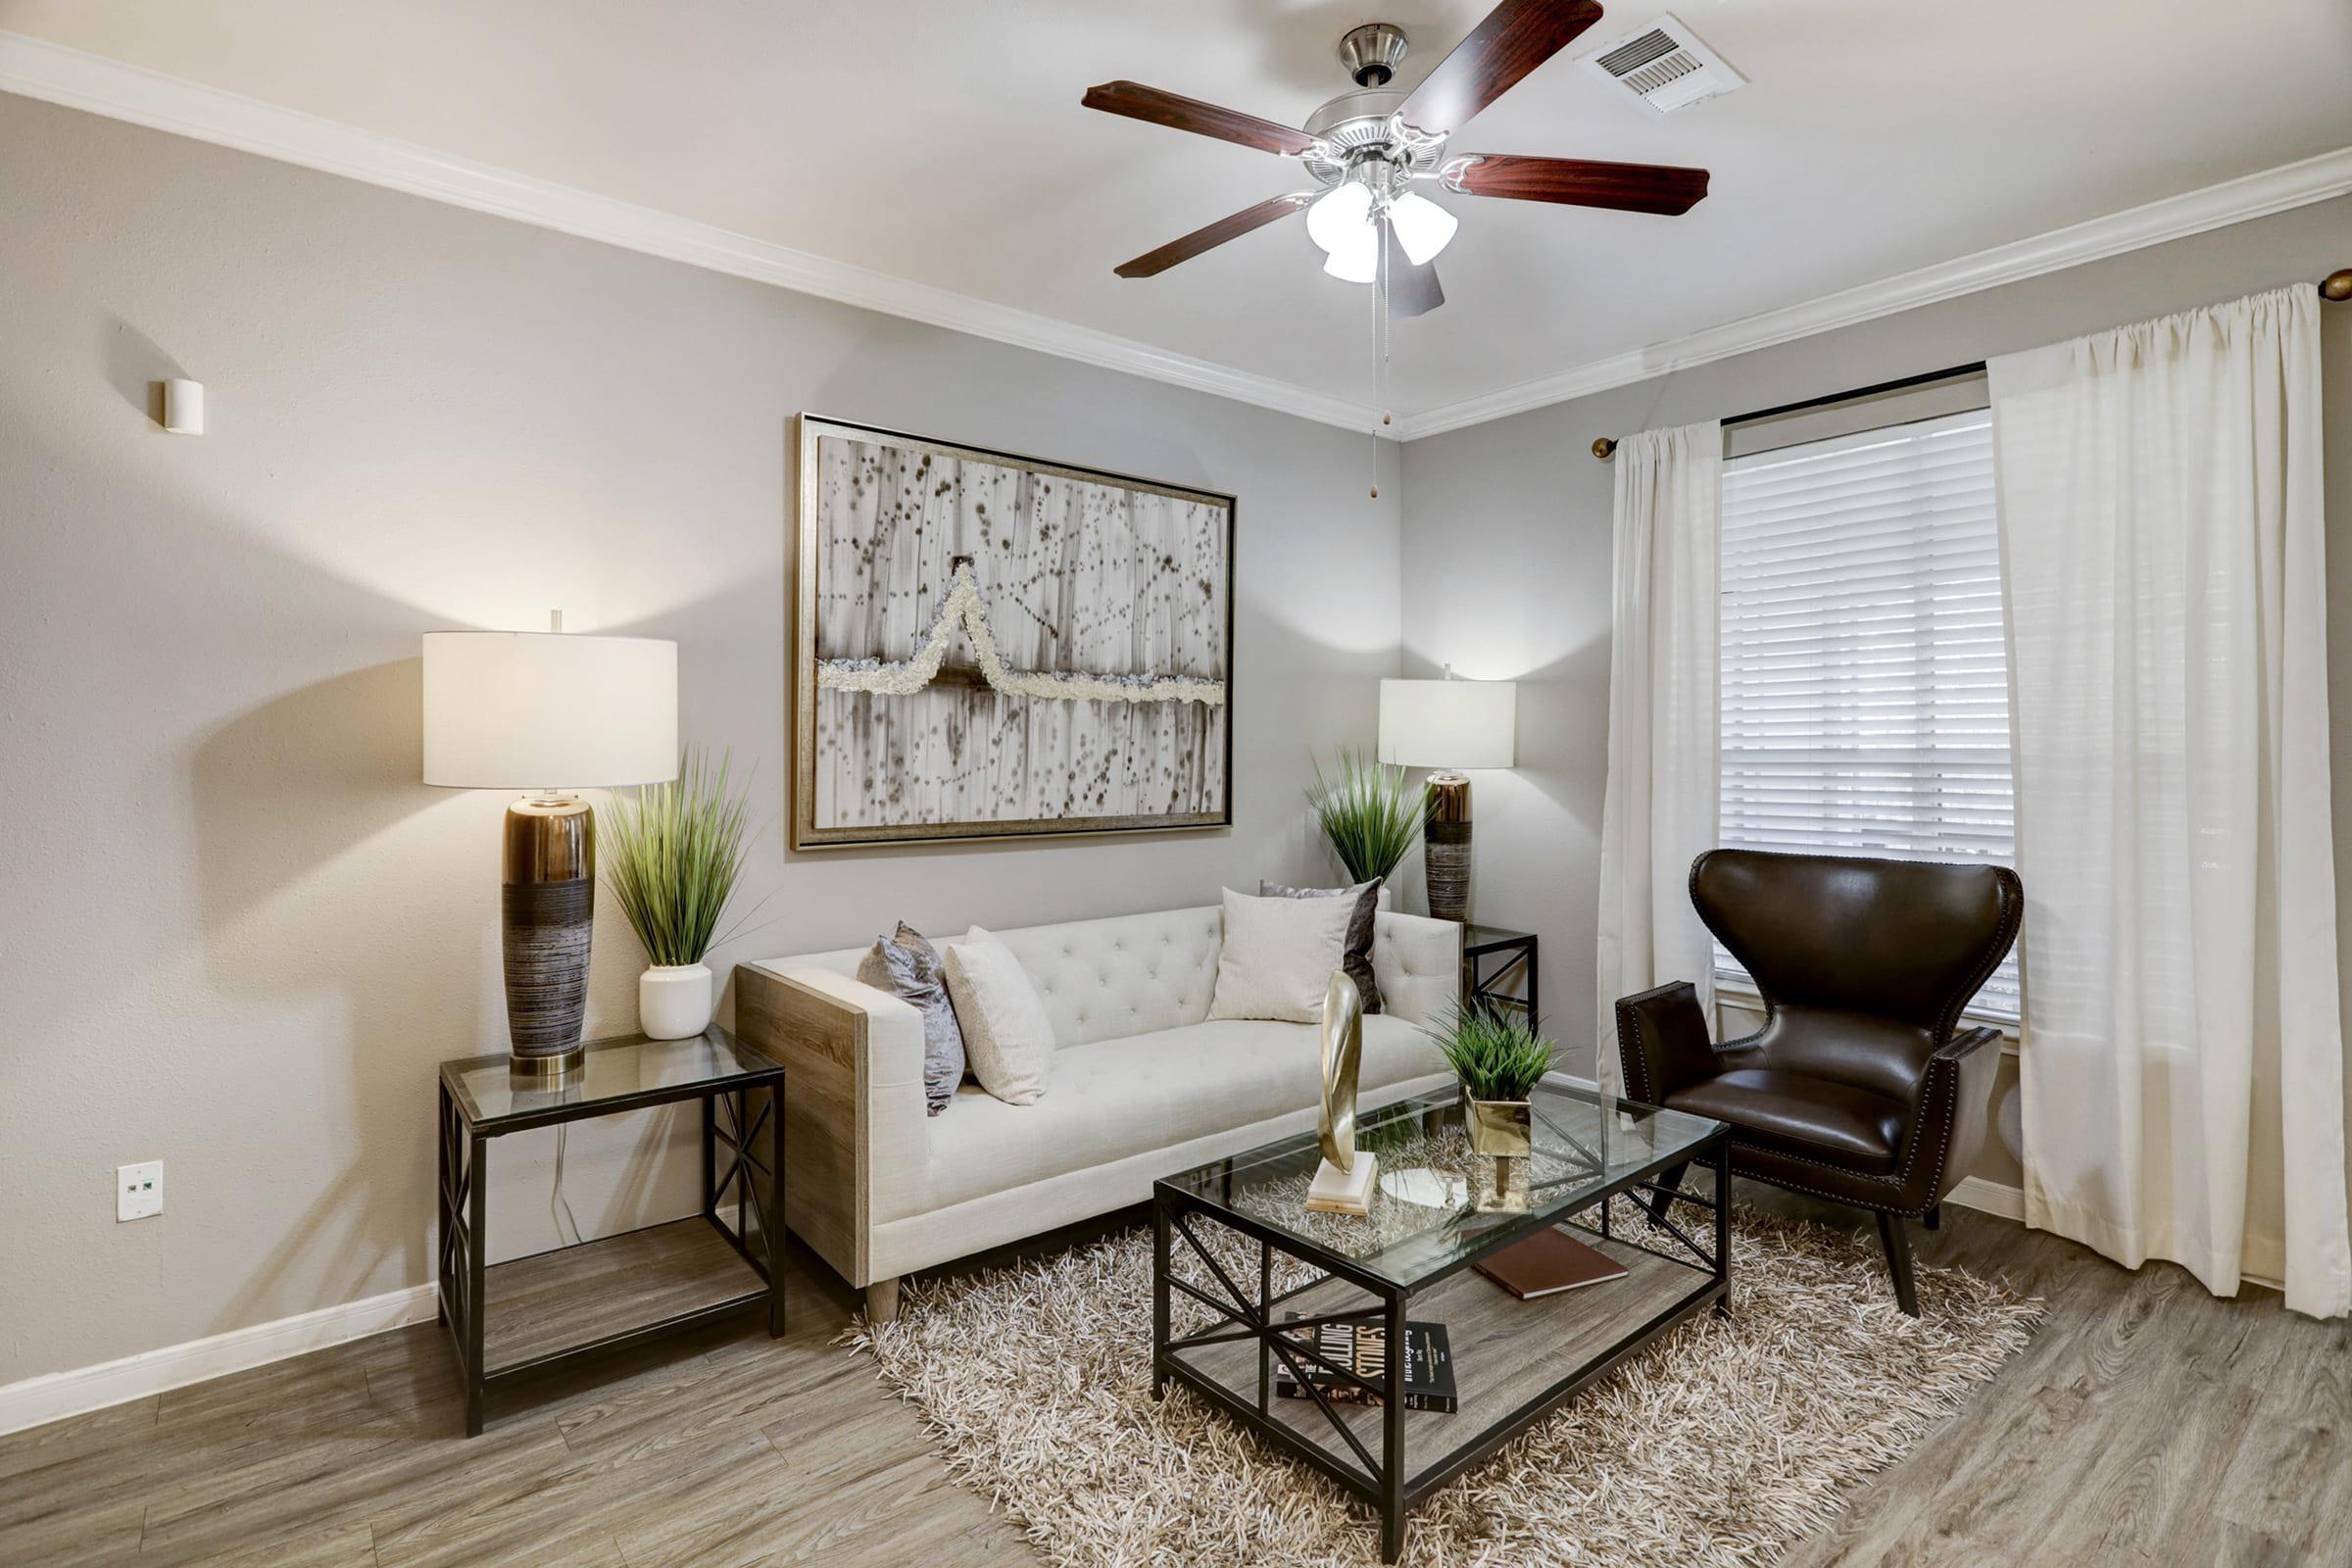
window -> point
(1865, 685)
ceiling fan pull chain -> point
(1380, 337)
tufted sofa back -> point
(1134, 974)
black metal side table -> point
(1492, 958)
(532, 1313)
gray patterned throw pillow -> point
(1356, 957)
(906, 966)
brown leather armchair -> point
(1860, 1087)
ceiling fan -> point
(1368, 148)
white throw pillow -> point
(1007, 1034)
(1278, 956)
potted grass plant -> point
(674, 854)
(1367, 814)
(1499, 1058)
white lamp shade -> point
(1340, 216)
(1449, 723)
(1423, 227)
(1358, 261)
(525, 709)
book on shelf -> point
(1364, 1347)
(1549, 1262)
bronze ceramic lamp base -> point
(1445, 846)
(547, 908)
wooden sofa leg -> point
(882, 1302)
(1894, 1235)
(1932, 1219)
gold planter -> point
(1501, 1138)
(1502, 1128)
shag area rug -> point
(1716, 1448)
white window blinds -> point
(1865, 686)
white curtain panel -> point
(2162, 572)
(1665, 719)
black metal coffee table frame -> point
(1244, 1315)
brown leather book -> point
(1549, 1262)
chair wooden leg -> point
(1895, 1236)
(1671, 1178)
(882, 1302)
(1932, 1219)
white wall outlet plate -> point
(139, 1190)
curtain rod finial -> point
(1604, 448)
(2337, 285)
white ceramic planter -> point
(674, 1001)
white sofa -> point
(1143, 1085)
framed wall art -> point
(989, 645)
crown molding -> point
(2235, 201)
(36, 68)
(53, 72)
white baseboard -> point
(57, 1394)
(1989, 1198)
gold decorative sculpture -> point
(1343, 1183)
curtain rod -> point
(2334, 288)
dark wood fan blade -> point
(1581, 182)
(1139, 102)
(1517, 36)
(1412, 290)
(1234, 226)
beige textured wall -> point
(1506, 546)
(238, 932)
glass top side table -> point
(533, 1313)
(1492, 958)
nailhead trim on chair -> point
(1896, 1183)
(1624, 1015)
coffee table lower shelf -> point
(1514, 1360)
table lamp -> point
(545, 712)
(1448, 724)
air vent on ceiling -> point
(1665, 65)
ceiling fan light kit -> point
(1423, 227)
(1339, 215)
(1355, 264)
(1366, 150)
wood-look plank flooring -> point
(2147, 1423)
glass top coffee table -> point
(1242, 1273)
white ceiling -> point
(942, 141)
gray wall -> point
(238, 932)
(1506, 546)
